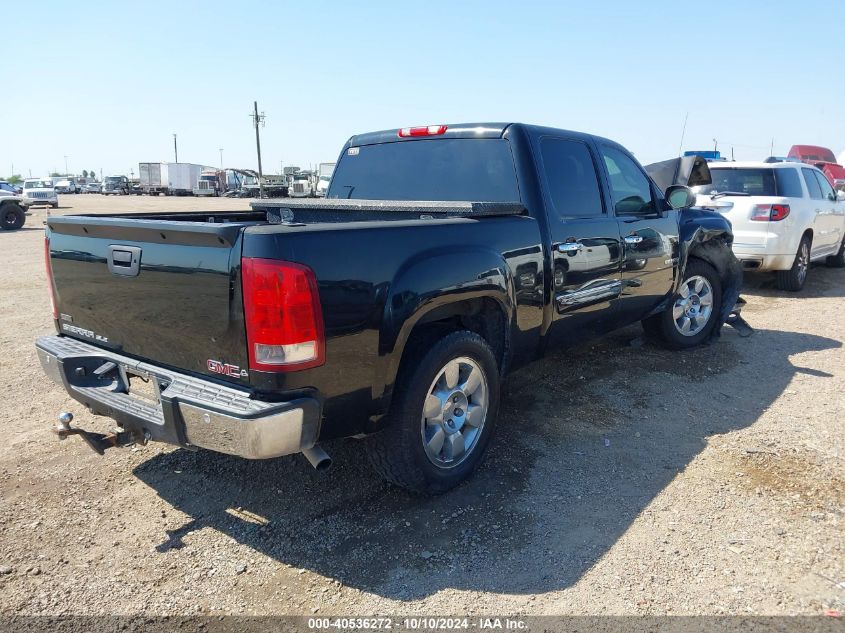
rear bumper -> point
(180, 409)
(764, 250)
(760, 260)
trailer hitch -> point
(98, 442)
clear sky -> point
(107, 84)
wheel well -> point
(484, 316)
(808, 233)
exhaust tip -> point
(318, 458)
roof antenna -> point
(683, 132)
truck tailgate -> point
(168, 291)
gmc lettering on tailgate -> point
(215, 366)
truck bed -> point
(305, 211)
(181, 304)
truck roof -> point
(469, 130)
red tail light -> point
(52, 286)
(426, 130)
(767, 212)
(284, 321)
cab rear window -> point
(480, 170)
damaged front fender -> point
(708, 236)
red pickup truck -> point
(822, 158)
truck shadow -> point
(586, 440)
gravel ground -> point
(624, 479)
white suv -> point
(784, 216)
(40, 191)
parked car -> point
(9, 188)
(93, 187)
(40, 191)
(67, 185)
(442, 258)
(784, 216)
(822, 158)
(13, 207)
(117, 185)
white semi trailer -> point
(171, 179)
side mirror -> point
(840, 195)
(679, 197)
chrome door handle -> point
(570, 247)
(633, 239)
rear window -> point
(480, 170)
(752, 181)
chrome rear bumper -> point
(179, 409)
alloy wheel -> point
(693, 306)
(454, 412)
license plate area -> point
(143, 386)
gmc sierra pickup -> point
(442, 258)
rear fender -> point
(435, 280)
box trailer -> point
(171, 179)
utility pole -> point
(221, 157)
(66, 174)
(175, 149)
(258, 119)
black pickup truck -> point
(442, 258)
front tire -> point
(12, 216)
(794, 278)
(442, 414)
(694, 310)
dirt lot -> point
(623, 480)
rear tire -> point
(12, 216)
(794, 278)
(442, 415)
(693, 312)
(838, 260)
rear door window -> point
(571, 178)
(788, 183)
(812, 184)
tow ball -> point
(98, 442)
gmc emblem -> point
(215, 366)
